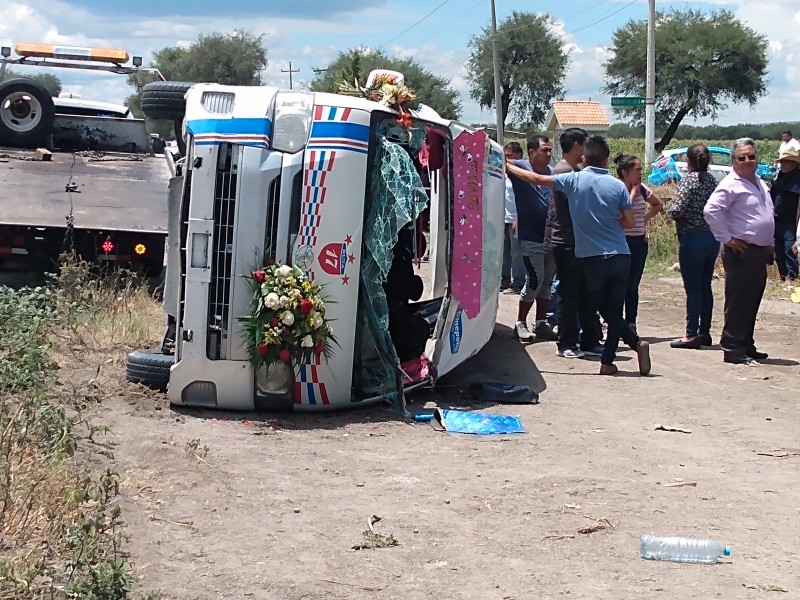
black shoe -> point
(737, 359)
(755, 354)
(705, 339)
(692, 344)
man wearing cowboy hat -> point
(785, 193)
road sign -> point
(628, 101)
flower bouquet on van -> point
(287, 323)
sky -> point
(309, 33)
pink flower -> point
(284, 356)
(262, 349)
(260, 276)
(306, 306)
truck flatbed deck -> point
(114, 191)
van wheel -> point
(26, 113)
(164, 100)
(150, 368)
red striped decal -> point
(346, 114)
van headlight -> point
(292, 122)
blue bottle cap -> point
(727, 551)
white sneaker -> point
(522, 333)
(569, 353)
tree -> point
(47, 80)
(702, 62)
(356, 63)
(236, 58)
(533, 63)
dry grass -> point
(59, 521)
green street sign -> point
(628, 101)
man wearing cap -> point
(740, 215)
(785, 193)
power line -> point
(592, 24)
(405, 31)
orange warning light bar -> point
(109, 55)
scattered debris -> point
(672, 429)
(780, 452)
(188, 524)
(598, 525)
(765, 588)
(373, 539)
(559, 537)
(680, 484)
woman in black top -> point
(697, 248)
(785, 192)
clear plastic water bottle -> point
(682, 549)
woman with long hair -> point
(646, 205)
(697, 248)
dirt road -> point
(274, 506)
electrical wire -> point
(405, 31)
(592, 24)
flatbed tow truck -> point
(77, 175)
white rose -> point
(307, 342)
(318, 322)
(272, 300)
(284, 301)
(287, 318)
(285, 271)
(295, 293)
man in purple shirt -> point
(740, 215)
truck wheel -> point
(26, 113)
(164, 100)
(150, 368)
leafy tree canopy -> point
(356, 64)
(235, 58)
(702, 62)
(48, 81)
(533, 63)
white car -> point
(672, 166)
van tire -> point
(37, 132)
(165, 100)
(150, 368)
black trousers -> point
(607, 279)
(578, 311)
(745, 280)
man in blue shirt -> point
(600, 207)
(532, 201)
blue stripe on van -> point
(333, 130)
(249, 126)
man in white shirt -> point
(787, 142)
(512, 278)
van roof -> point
(119, 109)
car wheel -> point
(150, 368)
(165, 100)
(26, 113)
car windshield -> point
(722, 159)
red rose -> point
(274, 322)
(260, 276)
(270, 262)
(319, 349)
(284, 356)
(285, 334)
(306, 306)
(262, 349)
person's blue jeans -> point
(513, 271)
(607, 282)
(784, 257)
(697, 255)
(638, 246)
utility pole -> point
(290, 71)
(498, 105)
(650, 106)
